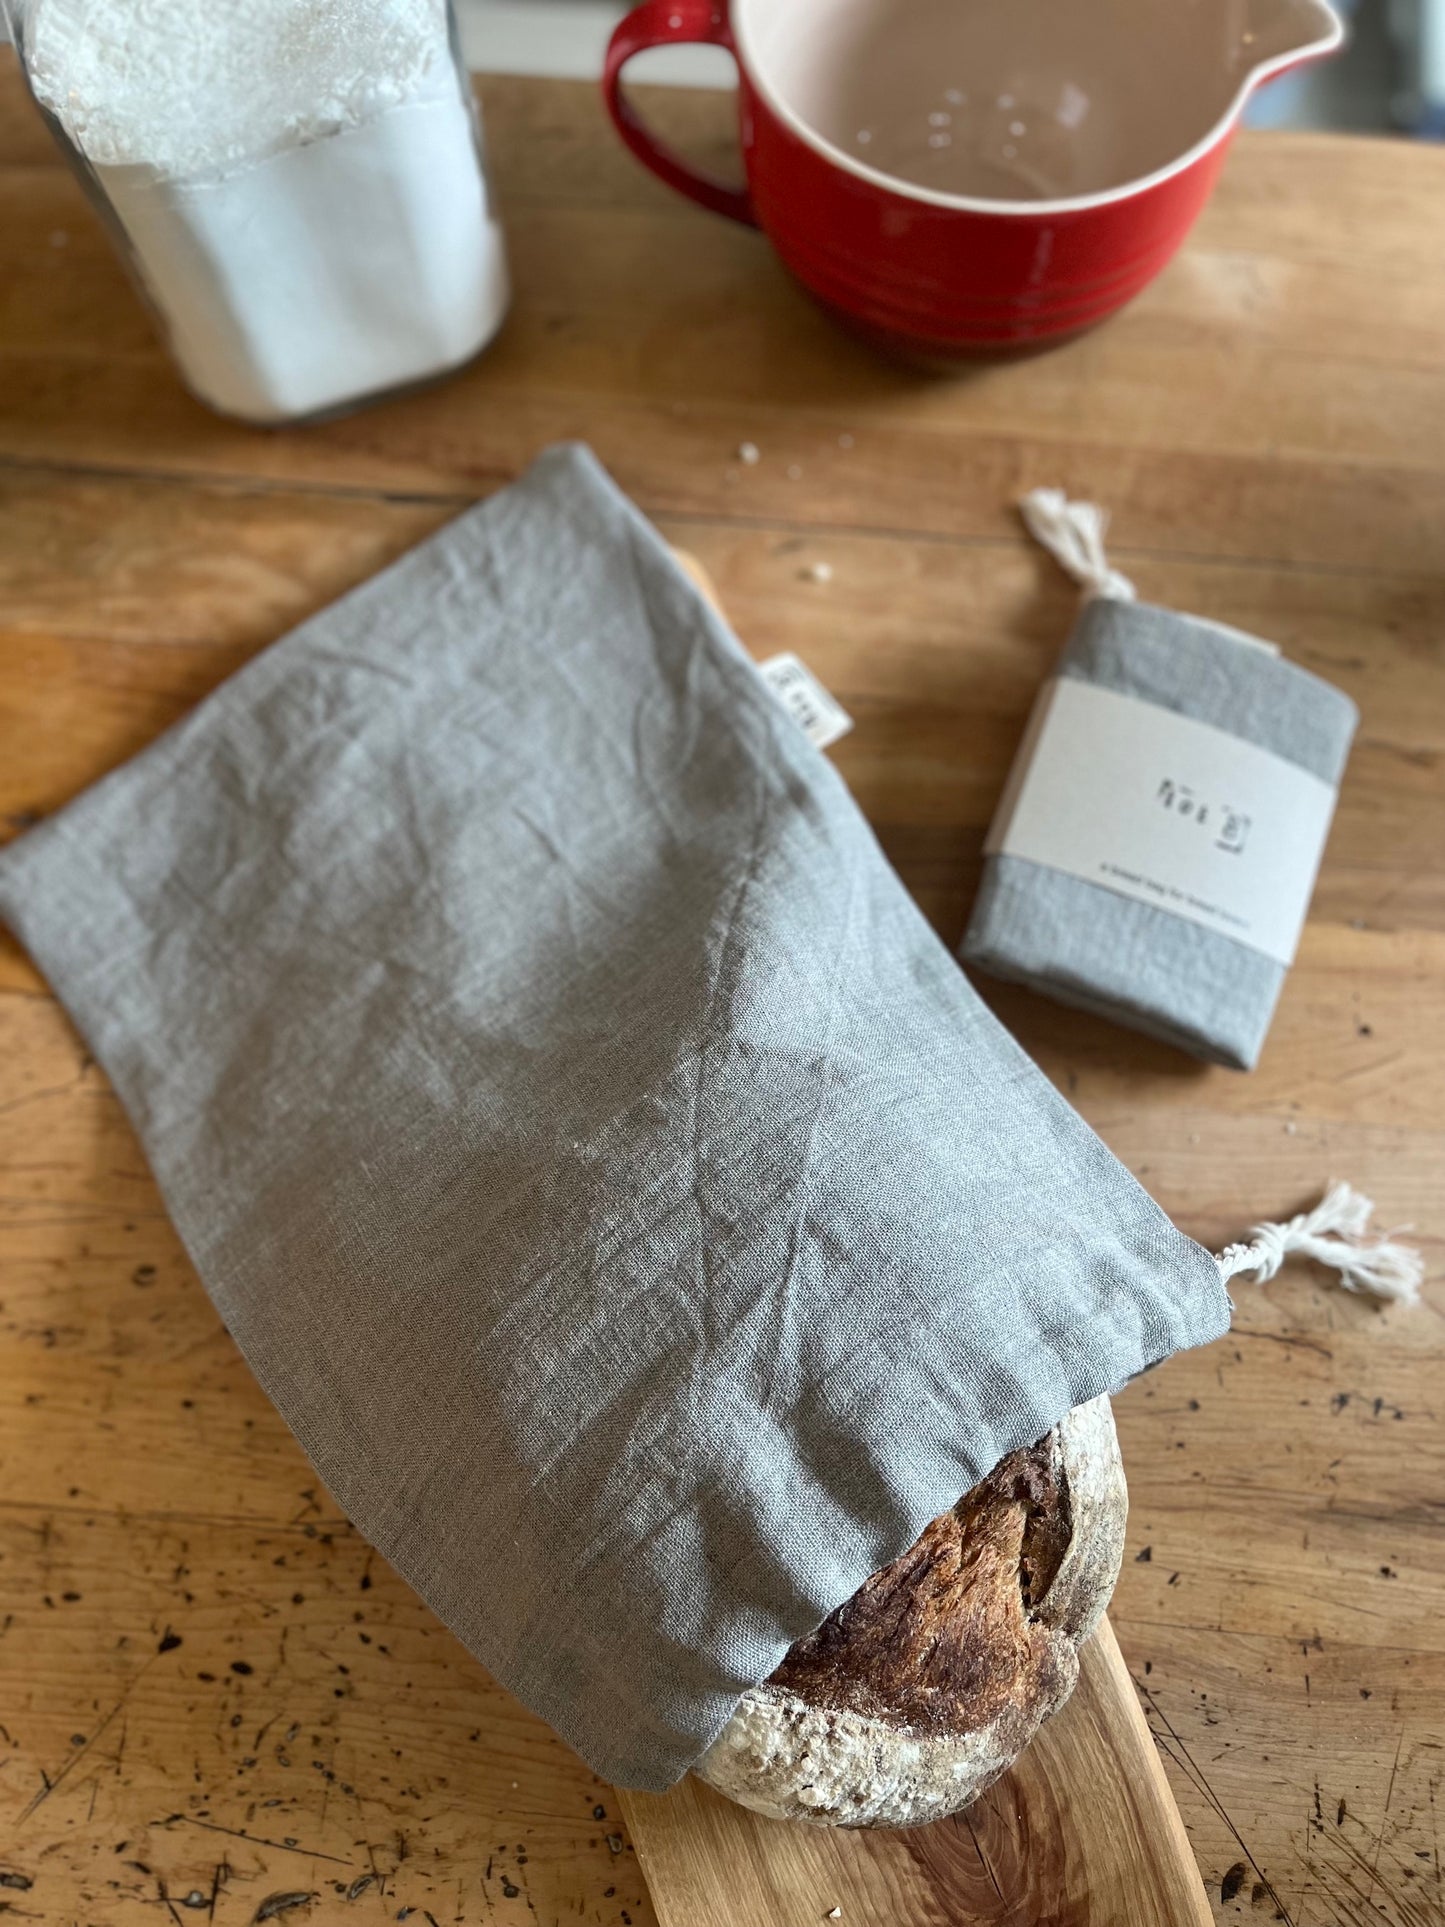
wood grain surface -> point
(194, 1720)
(1083, 1832)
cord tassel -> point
(1333, 1234)
(1073, 534)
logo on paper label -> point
(1231, 826)
(797, 689)
(1169, 811)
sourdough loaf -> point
(921, 1689)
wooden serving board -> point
(1083, 1832)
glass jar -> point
(298, 188)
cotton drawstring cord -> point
(1332, 1234)
(1073, 534)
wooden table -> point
(212, 1695)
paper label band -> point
(1166, 810)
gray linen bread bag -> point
(600, 1161)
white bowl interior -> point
(1019, 100)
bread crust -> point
(919, 1691)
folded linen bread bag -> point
(598, 1158)
(1154, 853)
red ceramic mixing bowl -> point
(938, 275)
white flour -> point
(299, 181)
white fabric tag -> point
(798, 691)
(1167, 810)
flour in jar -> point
(299, 182)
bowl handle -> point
(659, 23)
